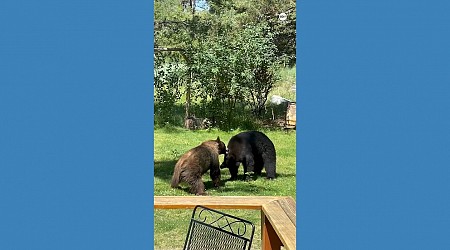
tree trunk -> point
(188, 96)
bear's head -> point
(229, 161)
(225, 159)
(222, 147)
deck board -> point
(281, 215)
(280, 211)
(222, 202)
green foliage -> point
(169, 79)
(265, 11)
(283, 87)
(223, 62)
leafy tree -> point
(170, 77)
(224, 61)
(265, 11)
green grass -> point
(170, 143)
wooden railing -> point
(278, 214)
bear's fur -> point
(254, 150)
(197, 161)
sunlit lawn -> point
(171, 225)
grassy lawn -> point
(171, 225)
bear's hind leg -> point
(271, 171)
(194, 179)
(259, 164)
(197, 187)
(214, 173)
(249, 167)
(269, 162)
(234, 172)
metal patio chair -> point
(214, 230)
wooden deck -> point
(278, 214)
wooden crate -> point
(291, 115)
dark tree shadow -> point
(164, 170)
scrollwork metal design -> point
(222, 221)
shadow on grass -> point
(263, 175)
(208, 187)
(247, 187)
(279, 175)
(164, 172)
(170, 129)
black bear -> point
(197, 161)
(254, 150)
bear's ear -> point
(218, 139)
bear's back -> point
(213, 147)
(199, 158)
(257, 140)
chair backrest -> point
(214, 230)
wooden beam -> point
(216, 202)
(280, 214)
(270, 239)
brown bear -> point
(197, 161)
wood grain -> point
(282, 222)
(217, 202)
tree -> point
(225, 62)
(265, 11)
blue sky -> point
(202, 5)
